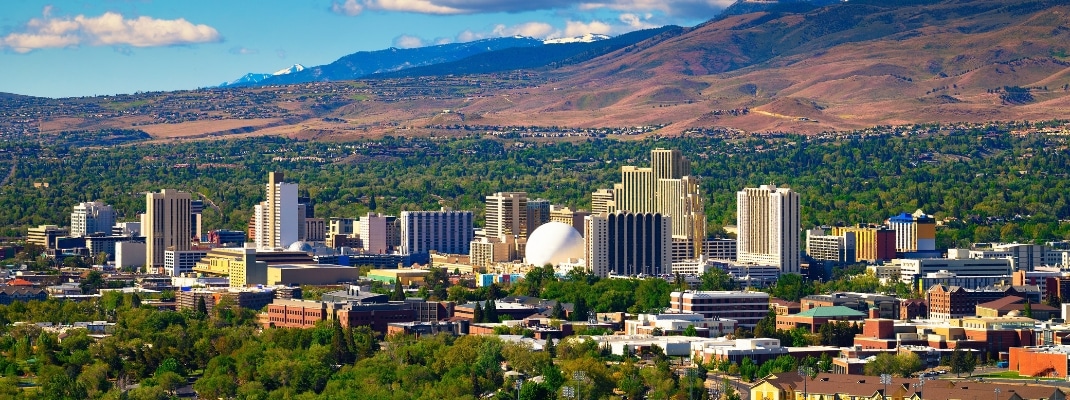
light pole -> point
(517, 384)
(569, 392)
(804, 372)
(579, 377)
(997, 393)
(920, 386)
(886, 379)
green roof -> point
(831, 312)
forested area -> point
(995, 185)
(223, 354)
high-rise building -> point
(277, 217)
(166, 226)
(442, 231)
(373, 232)
(628, 244)
(538, 213)
(768, 221)
(914, 232)
(602, 202)
(91, 217)
(666, 187)
(507, 215)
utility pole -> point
(920, 386)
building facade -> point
(277, 216)
(506, 214)
(91, 217)
(628, 244)
(747, 308)
(166, 225)
(768, 223)
(443, 231)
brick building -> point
(746, 307)
(951, 302)
(306, 314)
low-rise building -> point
(676, 324)
(813, 318)
(1016, 306)
(745, 307)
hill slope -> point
(847, 65)
(802, 68)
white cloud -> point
(637, 22)
(580, 28)
(241, 51)
(408, 42)
(349, 7)
(527, 29)
(109, 29)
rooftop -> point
(830, 312)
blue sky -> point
(98, 47)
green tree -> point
(717, 279)
(490, 312)
(579, 309)
(1027, 310)
(399, 293)
(478, 315)
(690, 331)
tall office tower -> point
(679, 199)
(507, 215)
(442, 231)
(196, 208)
(635, 193)
(628, 244)
(666, 187)
(914, 232)
(91, 217)
(277, 225)
(602, 202)
(538, 213)
(166, 225)
(373, 232)
(768, 221)
(669, 164)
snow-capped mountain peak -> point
(289, 70)
(588, 38)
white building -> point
(277, 217)
(91, 217)
(179, 262)
(835, 248)
(910, 269)
(443, 231)
(768, 221)
(129, 255)
(675, 324)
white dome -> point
(553, 243)
(300, 246)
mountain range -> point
(788, 66)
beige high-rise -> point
(667, 188)
(507, 215)
(768, 221)
(167, 224)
